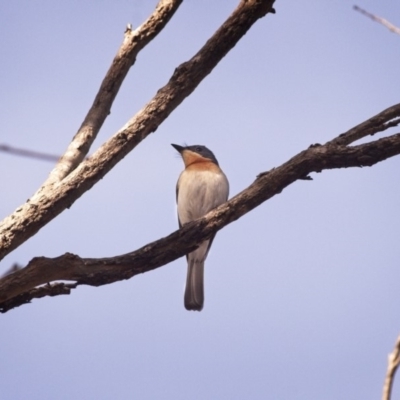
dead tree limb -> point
(21, 286)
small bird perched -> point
(201, 187)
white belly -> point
(200, 192)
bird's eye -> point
(198, 149)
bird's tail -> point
(194, 292)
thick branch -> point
(46, 205)
(393, 364)
(103, 271)
(134, 41)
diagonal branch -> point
(47, 204)
(97, 272)
(381, 20)
(133, 42)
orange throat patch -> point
(193, 160)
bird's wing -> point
(177, 193)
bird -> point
(201, 187)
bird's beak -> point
(177, 147)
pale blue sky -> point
(301, 294)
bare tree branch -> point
(48, 202)
(54, 289)
(97, 272)
(133, 42)
(28, 153)
(393, 364)
(382, 21)
(386, 119)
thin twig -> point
(28, 153)
(393, 364)
(382, 21)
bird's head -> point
(195, 153)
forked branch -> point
(134, 41)
(51, 200)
